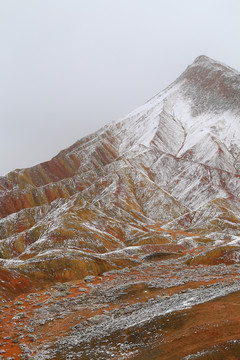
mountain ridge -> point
(140, 217)
(157, 149)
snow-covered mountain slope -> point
(156, 176)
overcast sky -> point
(68, 67)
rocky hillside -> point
(159, 189)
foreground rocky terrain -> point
(158, 309)
(126, 244)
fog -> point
(68, 67)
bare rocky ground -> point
(159, 309)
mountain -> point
(158, 190)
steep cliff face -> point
(161, 183)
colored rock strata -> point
(126, 244)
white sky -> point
(68, 67)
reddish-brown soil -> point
(170, 337)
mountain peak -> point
(203, 58)
(211, 86)
(206, 61)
